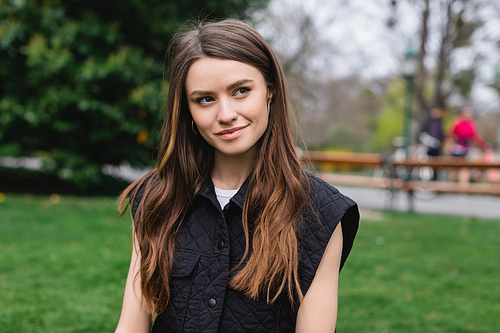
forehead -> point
(215, 73)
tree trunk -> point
(421, 104)
(444, 56)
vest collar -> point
(207, 190)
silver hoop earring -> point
(192, 127)
(268, 107)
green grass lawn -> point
(422, 273)
(63, 267)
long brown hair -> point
(278, 188)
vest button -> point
(211, 303)
(220, 245)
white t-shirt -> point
(224, 196)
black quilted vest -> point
(210, 242)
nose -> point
(227, 113)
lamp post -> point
(409, 71)
(496, 85)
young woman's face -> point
(228, 102)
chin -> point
(233, 152)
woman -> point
(462, 133)
(230, 234)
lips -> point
(231, 133)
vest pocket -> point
(181, 283)
(184, 264)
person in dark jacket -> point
(230, 234)
(431, 132)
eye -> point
(204, 100)
(241, 91)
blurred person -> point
(463, 132)
(430, 137)
(461, 135)
(431, 132)
(229, 232)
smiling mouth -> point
(231, 133)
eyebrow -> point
(229, 87)
(238, 83)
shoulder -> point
(327, 208)
(327, 198)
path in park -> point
(482, 206)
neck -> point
(230, 172)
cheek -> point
(200, 118)
(265, 124)
(203, 124)
(258, 109)
(262, 115)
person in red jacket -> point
(463, 133)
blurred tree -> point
(80, 81)
(449, 28)
(345, 120)
(389, 123)
(329, 110)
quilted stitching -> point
(199, 271)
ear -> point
(270, 93)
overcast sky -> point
(363, 44)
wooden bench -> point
(392, 182)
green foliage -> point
(390, 122)
(496, 83)
(81, 81)
(463, 81)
